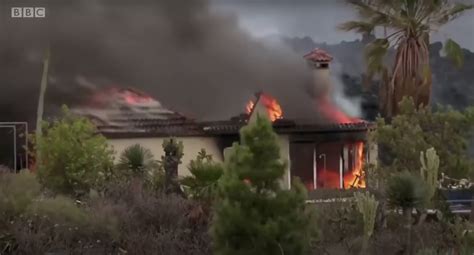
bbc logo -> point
(28, 12)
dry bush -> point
(154, 223)
(340, 227)
(131, 221)
(40, 235)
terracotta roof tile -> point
(216, 128)
(318, 55)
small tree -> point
(255, 215)
(170, 161)
(205, 174)
(403, 191)
(137, 161)
(74, 157)
(367, 206)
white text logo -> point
(28, 12)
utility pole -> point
(44, 84)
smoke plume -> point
(188, 57)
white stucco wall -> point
(192, 146)
(373, 153)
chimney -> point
(319, 61)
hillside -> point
(451, 85)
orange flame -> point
(271, 104)
(355, 179)
(249, 107)
(331, 112)
(132, 97)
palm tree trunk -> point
(407, 215)
(39, 115)
(365, 244)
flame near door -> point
(331, 165)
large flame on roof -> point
(134, 97)
(333, 113)
(116, 95)
(271, 105)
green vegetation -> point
(255, 215)
(74, 158)
(17, 191)
(404, 191)
(137, 161)
(429, 174)
(242, 202)
(416, 130)
(170, 161)
(367, 206)
(409, 24)
(203, 181)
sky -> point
(319, 19)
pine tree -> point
(255, 215)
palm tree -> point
(409, 23)
(137, 161)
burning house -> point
(328, 154)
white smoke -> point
(351, 106)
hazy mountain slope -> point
(451, 85)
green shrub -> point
(404, 190)
(413, 130)
(205, 174)
(17, 192)
(60, 210)
(74, 158)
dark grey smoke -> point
(179, 51)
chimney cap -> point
(318, 55)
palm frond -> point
(375, 54)
(357, 26)
(450, 13)
(137, 160)
(454, 52)
(380, 12)
(403, 190)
